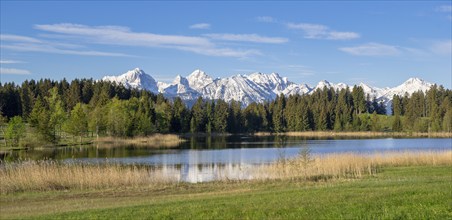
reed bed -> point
(153, 141)
(348, 165)
(52, 175)
(358, 134)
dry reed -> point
(358, 134)
(348, 165)
(52, 175)
(154, 141)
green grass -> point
(418, 192)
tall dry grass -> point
(156, 141)
(348, 165)
(52, 175)
(358, 134)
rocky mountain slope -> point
(255, 87)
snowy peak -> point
(135, 78)
(255, 87)
(414, 80)
(199, 79)
(325, 83)
(410, 86)
(373, 92)
(181, 80)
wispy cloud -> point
(200, 26)
(29, 44)
(254, 38)
(12, 37)
(442, 47)
(372, 49)
(118, 35)
(50, 49)
(13, 71)
(266, 19)
(123, 36)
(318, 31)
(444, 8)
(222, 52)
(10, 61)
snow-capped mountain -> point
(328, 85)
(410, 86)
(255, 87)
(373, 92)
(198, 80)
(180, 87)
(135, 78)
(239, 88)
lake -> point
(205, 158)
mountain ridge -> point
(248, 88)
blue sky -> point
(379, 43)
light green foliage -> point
(15, 130)
(447, 121)
(163, 119)
(57, 113)
(119, 118)
(375, 125)
(397, 124)
(77, 124)
(40, 120)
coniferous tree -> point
(221, 116)
(198, 113)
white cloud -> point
(444, 8)
(311, 30)
(248, 38)
(372, 49)
(123, 36)
(222, 52)
(51, 49)
(442, 47)
(13, 71)
(200, 26)
(11, 37)
(10, 61)
(318, 31)
(28, 44)
(266, 19)
(334, 35)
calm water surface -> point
(206, 158)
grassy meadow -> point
(413, 192)
(413, 185)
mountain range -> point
(255, 87)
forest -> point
(54, 109)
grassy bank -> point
(49, 175)
(370, 134)
(155, 141)
(415, 192)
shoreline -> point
(173, 140)
(332, 134)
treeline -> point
(88, 107)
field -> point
(394, 186)
(417, 192)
